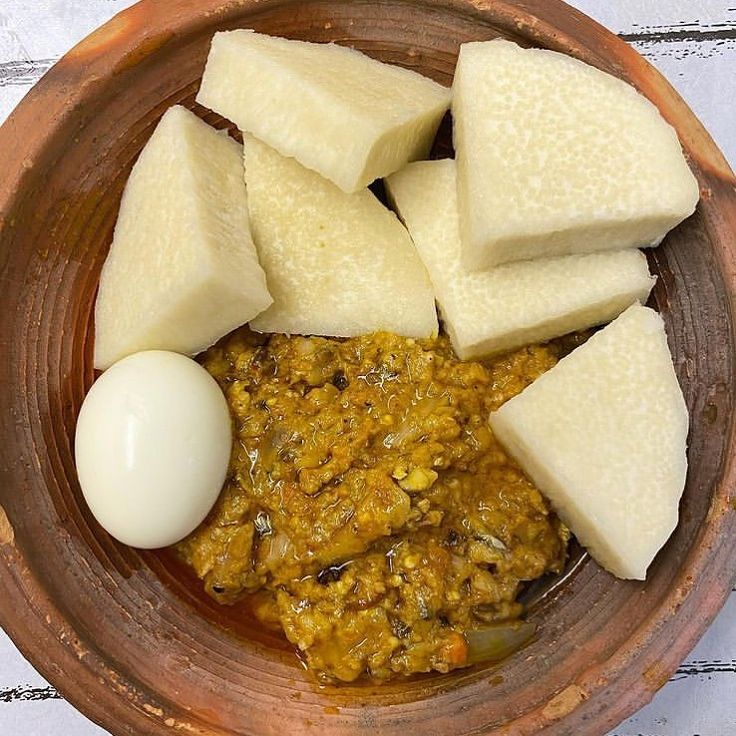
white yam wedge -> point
(556, 157)
(515, 304)
(603, 435)
(337, 111)
(336, 263)
(182, 269)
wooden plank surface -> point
(694, 45)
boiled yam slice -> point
(182, 269)
(518, 303)
(556, 157)
(603, 435)
(349, 117)
(336, 264)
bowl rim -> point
(607, 692)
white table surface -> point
(693, 42)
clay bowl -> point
(126, 636)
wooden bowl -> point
(125, 635)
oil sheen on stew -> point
(369, 512)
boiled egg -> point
(152, 447)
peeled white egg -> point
(152, 447)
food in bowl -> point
(152, 447)
(337, 264)
(338, 112)
(556, 157)
(368, 505)
(489, 312)
(182, 270)
(603, 435)
(370, 511)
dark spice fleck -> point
(262, 523)
(453, 538)
(330, 574)
(340, 381)
(400, 629)
(260, 356)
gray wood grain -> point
(693, 44)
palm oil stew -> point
(368, 511)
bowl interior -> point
(156, 651)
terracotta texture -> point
(125, 635)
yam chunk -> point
(518, 303)
(556, 157)
(336, 264)
(182, 269)
(603, 435)
(351, 118)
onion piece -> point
(496, 642)
(411, 428)
(275, 548)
